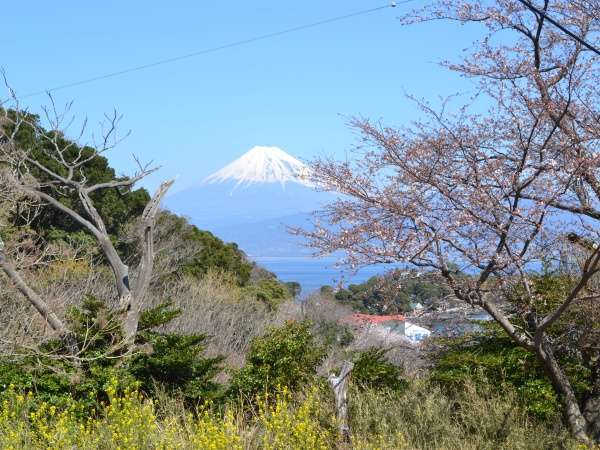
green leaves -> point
(285, 356)
(492, 358)
(392, 293)
(159, 315)
(268, 290)
(372, 370)
(216, 254)
(176, 365)
(166, 361)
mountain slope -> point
(251, 200)
(262, 165)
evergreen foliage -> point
(212, 252)
(393, 293)
(268, 290)
(492, 358)
(116, 206)
(284, 356)
(167, 361)
(372, 370)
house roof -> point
(359, 318)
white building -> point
(389, 329)
(415, 333)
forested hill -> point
(45, 226)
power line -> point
(565, 30)
(216, 49)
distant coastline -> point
(312, 272)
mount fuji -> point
(251, 201)
(262, 165)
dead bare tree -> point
(495, 193)
(47, 173)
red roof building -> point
(390, 326)
(360, 319)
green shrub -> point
(492, 358)
(285, 356)
(333, 333)
(216, 254)
(210, 253)
(171, 362)
(372, 370)
(55, 378)
(268, 290)
(426, 416)
(174, 362)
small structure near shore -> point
(390, 328)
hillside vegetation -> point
(223, 356)
(397, 291)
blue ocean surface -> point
(312, 273)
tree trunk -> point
(575, 419)
(130, 317)
(40, 305)
(131, 300)
(340, 390)
(591, 405)
(591, 412)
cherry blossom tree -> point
(494, 193)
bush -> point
(269, 291)
(372, 370)
(284, 356)
(211, 252)
(216, 254)
(172, 362)
(424, 416)
(175, 362)
(492, 359)
(55, 378)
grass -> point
(422, 417)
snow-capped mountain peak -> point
(262, 165)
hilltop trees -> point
(200, 251)
(498, 193)
(395, 292)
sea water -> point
(312, 273)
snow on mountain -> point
(251, 200)
(262, 165)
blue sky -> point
(194, 116)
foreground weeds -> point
(424, 417)
(419, 418)
(130, 421)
